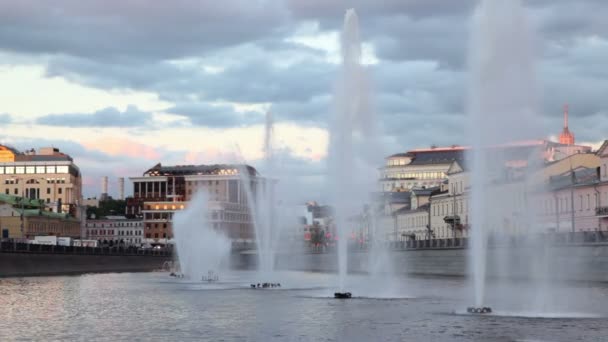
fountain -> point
(502, 110)
(201, 250)
(351, 147)
(261, 201)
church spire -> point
(566, 137)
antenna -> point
(566, 115)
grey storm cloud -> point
(107, 117)
(419, 81)
(216, 116)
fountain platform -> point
(343, 295)
(265, 285)
(479, 310)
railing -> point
(556, 239)
(18, 247)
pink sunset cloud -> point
(124, 147)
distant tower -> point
(566, 137)
(104, 188)
(121, 188)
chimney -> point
(121, 188)
(104, 188)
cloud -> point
(132, 30)
(124, 147)
(216, 116)
(6, 118)
(108, 117)
(218, 66)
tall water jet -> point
(502, 109)
(264, 206)
(350, 174)
(200, 248)
(260, 194)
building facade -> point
(163, 191)
(46, 174)
(116, 231)
(22, 218)
(418, 168)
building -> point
(412, 224)
(23, 218)
(408, 221)
(566, 137)
(418, 168)
(116, 230)
(164, 190)
(46, 174)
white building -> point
(116, 230)
(418, 168)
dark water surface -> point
(154, 307)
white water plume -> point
(200, 248)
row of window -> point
(419, 221)
(164, 207)
(129, 232)
(35, 191)
(583, 202)
(217, 182)
(94, 232)
(155, 225)
(35, 181)
(416, 175)
(156, 236)
(10, 170)
(114, 225)
(102, 232)
(446, 208)
(396, 162)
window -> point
(62, 169)
(10, 170)
(20, 169)
(30, 169)
(16, 191)
(60, 190)
(48, 191)
(40, 169)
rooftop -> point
(18, 200)
(425, 191)
(187, 170)
(403, 197)
(583, 176)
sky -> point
(123, 85)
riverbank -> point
(28, 260)
(51, 264)
(572, 262)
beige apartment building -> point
(47, 174)
(163, 191)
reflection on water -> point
(154, 307)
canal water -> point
(156, 307)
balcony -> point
(601, 211)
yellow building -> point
(46, 174)
(25, 218)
